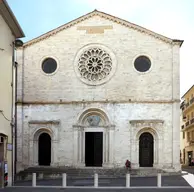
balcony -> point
(191, 142)
(192, 121)
(188, 124)
(187, 105)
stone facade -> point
(127, 102)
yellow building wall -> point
(6, 39)
(188, 113)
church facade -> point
(97, 91)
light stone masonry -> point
(128, 103)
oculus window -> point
(49, 65)
(142, 64)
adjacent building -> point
(187, 127)
(9, 32)
(97, 91)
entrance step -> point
(56, 172)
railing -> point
(191, 142)
(187, 123)
(192, 121)
(186, 105)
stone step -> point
(56, 172)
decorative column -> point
(111, 147)
(31, 153)
(75, 145)
(54, 155)
(35, 152)
(78, 149)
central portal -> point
(93, 149)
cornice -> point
(105, 16)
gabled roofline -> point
(10, 19)
(106, 16)
(187, 91)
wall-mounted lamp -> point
(18, 43)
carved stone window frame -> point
(94, 46)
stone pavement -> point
(135, 181)
(138, 184)
(24, 189)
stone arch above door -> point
(155, 144)
(93, 117)
(93, 120)
(39, 131)
(153, 126)
(35, 144)
(37, 127)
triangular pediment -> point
(108, 17)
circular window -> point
(95, 64)
(49, 65)
(142, 64)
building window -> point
(49, 65)
(192, 137)
(95, 64)
(188, 136)
(142, 64)
(191, 115)
(183, 135)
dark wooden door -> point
(98, 150)
(93, 149)
(146, 148)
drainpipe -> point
(12, 109)
(17, 43)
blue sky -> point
(172, 18)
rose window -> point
(95, 64)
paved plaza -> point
(135, 181)
(138, 184)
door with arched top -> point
(44, 149)
(146, 150)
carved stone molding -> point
(81, 127)
(95, 64)
(108, 17)
(44, 122)
(146, 123)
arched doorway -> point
(44, 149)
(146, 149)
